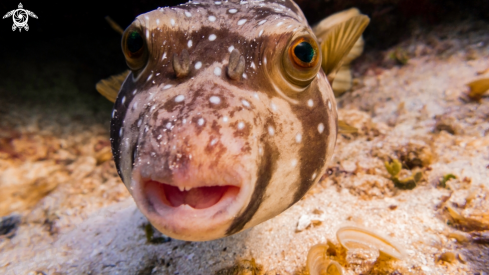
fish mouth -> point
(191, 210)
(201, 197)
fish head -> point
(226, 119)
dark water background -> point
(71, 46)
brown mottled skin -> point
(262, 133)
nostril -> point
(236, 65)
(181, 65)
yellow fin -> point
(478, 88)
(110, 87)
(342, 81)
(345, 128)
(114, 25)
(326, 24)
(339, 40)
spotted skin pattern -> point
(206, 128)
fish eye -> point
(301, 60)
(134, 42)
(134, 48)
(303, 53)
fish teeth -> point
(181, 188)
(186, 206)
(188, 188)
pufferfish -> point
(226, 117)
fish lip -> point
(185, 222)
(192, 184)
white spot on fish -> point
(293, 163)
(167, 86)
(212, 37)
(245, 76)
(298, 138)
(260, 150)
(262, 22)
(231, 48)
(188, 14)
(280, 24)
(265, 60)
(184, 121)
(225, 119)
(135, 105)
(120, 132)
(260, 33)
(233, 11)
(168, 125)
(256, 95)
(179, 98)
(241, 22)
(212, 18)
(134, 92)
(189, 43)
(273, 106)
(213, 142)
(198, 65)
(200, 122)
(314, 176)
(329, 104)
(310, 103)
(123, 99)
(215, 99)
(149, 77)
(245, 103)
(217, 2)
(164, 56)
(271, 131)
(147, 33)
(139, 123)
(241, 125)
(113, 113)
(253, 65)
(146, 17)
(172, 22)
(320, 128)
(157, 21)
(217, 71)
(152, 108)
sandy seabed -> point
(76, 217)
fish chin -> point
(198, 213)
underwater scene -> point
(259, 137)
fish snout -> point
(193, 175)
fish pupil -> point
(304, 51)
(134, 42)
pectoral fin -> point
(345, 128)
(478, 88)
(338, 42)
(342, 81)
(110, 87)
